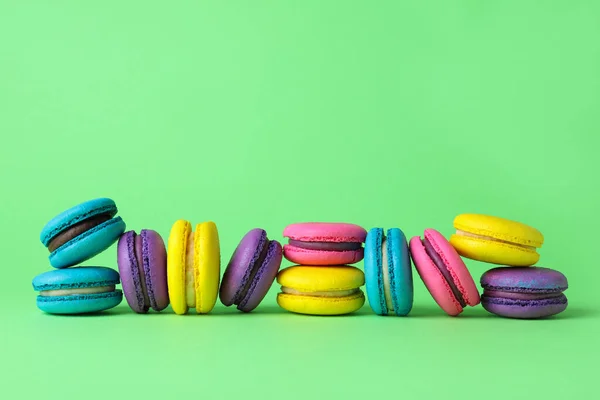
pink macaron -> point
(444, 273)
(321, 243)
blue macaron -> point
(82, 232)
(388, 272)
(77, 290)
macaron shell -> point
(401, 276)
(264, 278)
(524, 280)
(130, 273)
(433, 279)
(153, 250)
(78, 277)
(524, 309)
(207, 260)
(325, 232)
(80, 304)
(319, 257)
(499, 228)
(76, 214)
(373, 271)
(88, 244)
(313, 305)
(494, 252)
(176, 257)
(460, 274)
(306, 278)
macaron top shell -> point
(76, 214)
(524, 280)
(305, 278)
(325, 232)
(74, 278)
(499, 228)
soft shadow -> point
(106, 313)
(575, 313)
(437, 312)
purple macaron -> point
(142, 261)
(529, 292)
(251, 271)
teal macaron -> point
(77, 290)
(388, 272)
(81, 232)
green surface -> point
(264, 113)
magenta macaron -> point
(320, 243)
(443, 272)
(142, 261)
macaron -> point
(142, 261)
(250, 271)
(193, 267)
(496, 240)
(530, 292)
(388, 272)
(320, 243)
(443, 272)
(317, 290)
(82, 232)
(77, 290)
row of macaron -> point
(186, 273)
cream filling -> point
(190, 279)
(473, 235)
(387, 290)
(331, 293)
(69, 292)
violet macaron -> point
(322, 243)
(250, 271)
(527, 293)
(142, 261)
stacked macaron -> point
(517, 289)
(323, 282)
(72, 237)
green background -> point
(263, 113)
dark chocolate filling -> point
(252, 270)
(332, 246)
(76, 230)
(445, 272)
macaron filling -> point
(493, 239)
(258, 259)
(140, 267)
(190, 273)
(385, 269)
(76, 291)
(77, 229)
(330, 293)
(325, 246)
(441, 266)
(521, 295)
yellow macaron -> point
(193, 267)
(319, 290)
(496, 240)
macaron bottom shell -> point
(524, 309)
(321, 305)
(79, 303)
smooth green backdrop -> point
(263, 113)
